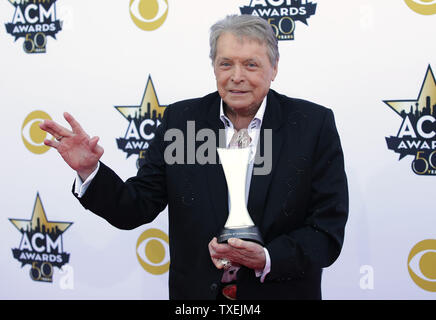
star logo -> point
(39, 221)
(143, 121)
(149, 108)
(426, 97)
(41, 244)
(418, 130)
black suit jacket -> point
(301, 207)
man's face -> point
(243, 73)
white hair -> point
(248, 26)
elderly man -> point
(300, 206)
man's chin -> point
(238, 106)
(238, 102)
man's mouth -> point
(237, 91)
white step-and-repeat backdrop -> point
(115, 65)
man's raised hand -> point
(77, 148)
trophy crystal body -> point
(239, 223)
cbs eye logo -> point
(152, 251)
(425, 7)
(33, 137)
(422, 264)
(148, 14)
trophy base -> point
(244, 233)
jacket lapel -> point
(272, 120)
(216, 181)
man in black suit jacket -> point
(300, 205)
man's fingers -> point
(218, 263)
(213, 255)
(219, 248)
(51, 143)
(94, 147)
(238, 243)
(73, 123)
(213, 248)
(93, 143)
(238, 252)
(56, 130)
(248, 246)
(218, 253)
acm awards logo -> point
(152, 251)
(421, 264)
(417, 134)
(424, 7)
(148, 15)
(281, 14)
(34, 20)
(41, 245)
(143, 121)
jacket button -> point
(213, 287)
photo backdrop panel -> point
(118, 65)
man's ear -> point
(213, 67)
(275, 70)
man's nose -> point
(238, 74)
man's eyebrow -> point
(253, 60)
(245, 61)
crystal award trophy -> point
(239, 223)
